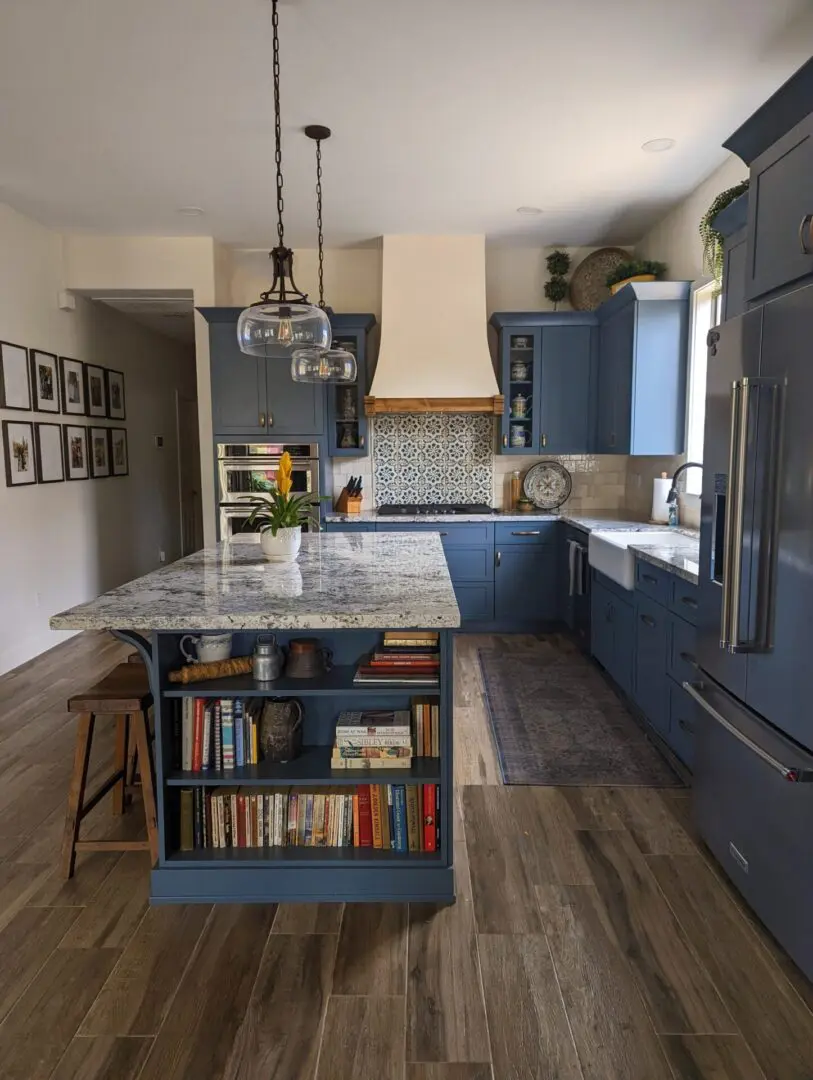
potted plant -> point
(634, 270)
(712, 239)
(280, 515)
(556, 288)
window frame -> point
(702, 286)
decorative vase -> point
(636, 277)
(284, 547)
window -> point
(705, 314)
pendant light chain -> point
(321, 238)
(277, 122)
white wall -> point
(516, 276)
(62, 544)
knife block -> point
(349, 504)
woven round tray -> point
(588, 286)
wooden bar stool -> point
(125, 695)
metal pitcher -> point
(268, 659)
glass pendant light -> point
(316, 365)
(282, 318)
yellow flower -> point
(284, 481)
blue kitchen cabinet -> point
(520, 352)
(346, 422)
(612, 630)
(642, 359)
(349, 526)
(574, 605)
(732, 224)
(651, 686)
(525, 584)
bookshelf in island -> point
(361, 810)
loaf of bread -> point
(217, 669)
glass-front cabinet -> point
(347, 424)
(520, 381)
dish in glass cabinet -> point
(547, 485)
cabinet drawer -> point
(651, 580)
(520, 532)
(475, 600)
(453, 535)
(349, 526)
(651, 686)
(682, 724)
(682, 659)
(683, 598)
(470, 564)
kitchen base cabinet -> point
(612, 631)
(651, 692)
(525, 584)
(573, 583)
(350, 526)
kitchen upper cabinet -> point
(547, 374)
(732, 224)
(642, 363)
(346, 422)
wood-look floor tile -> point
(109, 920)
(450, 1071)
(103, 1058)
(279, 1036)
(502, 890)
(372, 950)
(135, 998)
(363, 1039)
(591, 808)
(546, 833)
(769, 1012)
(25, 944)
(37, 1031)
(445, 1012)
(676, 987)
(308, 919)
(91, 870)
(654, 827)
(528, 1029)
(198, 1033)
(612, 1030)
(475, 759)
(18, 883)
(711, 1057)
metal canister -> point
(267, 659)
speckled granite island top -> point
(357, 581)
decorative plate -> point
(547, 484)
(587, 285)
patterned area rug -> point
(556, 720)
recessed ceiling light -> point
(657, 146)
(190, 211)
(529, 211)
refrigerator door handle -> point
(732, 487)
(787, 772)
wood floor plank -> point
(612, 1030)
(769, 1012)
(677, 989)
(18, 883)
(372, 950)
(546, 834)
(91, 870)
(711, 1057)
(135, 998)
(37, 1031)
(25, 944)
(308, 919)
(363, 1039)
(279, 1036)
(103, 1058)
(502, 890)
(111, 917)
(198, 1032)
(591, 808)
(653, 825)
(451, 1071)
(528, 1029)
(446, 1018)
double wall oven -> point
(245, 470)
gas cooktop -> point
(434, 508)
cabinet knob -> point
(505, 440)
(262, 419)
(647, 620)
(805, 232)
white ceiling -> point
(447, 114)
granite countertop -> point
(340, 580)
(679, 555)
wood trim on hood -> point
(377, 406)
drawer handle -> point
(648, 620)
(648, 577)
(544, 440)
(526, 532)
(497, 558)
(687, 658)
(804, 232)
(444, 534)
(689, 601)
(685, 725)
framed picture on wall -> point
(115, 395)
(76, 451)
(95, 395)
(18, 453)
(119, 461)
(72, 378)
(15, 389)
(45, 381)
(50, 462)
(99, 452)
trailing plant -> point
(634, 268)
(713, 240)
(278, 508)
(558, 263)
(556, 290)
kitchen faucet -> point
(673, 493)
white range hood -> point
(434, 354)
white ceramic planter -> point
(284, 547)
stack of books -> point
(406, 656)
(217, 733)
(373, 740)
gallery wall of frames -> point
(79, 443)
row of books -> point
(405, 656)
(388, 817)
(218, 733)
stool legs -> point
(144, 750)
(76, 793)
(120, 763)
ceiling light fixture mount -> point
(282, 318)
(657, 146)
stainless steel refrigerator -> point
(753, 784)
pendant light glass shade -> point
(282, 326)
(323, 365)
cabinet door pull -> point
(505, 440)
(648, 577)
(686, 726)
(612, 439)
(689, 601)
(544, 440)
(361, 442)
(804, 232)
(262, 419)
(647, 620)
(497, 558)
(270, 419)
(688, 658)
(526, 532)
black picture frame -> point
(93, 372)
(114, 471)
(67, 430)
(7, 452)
(112, 379)
(39, 455)
(4, 360)
(44, 404)
(98, 434)
(78, 368)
